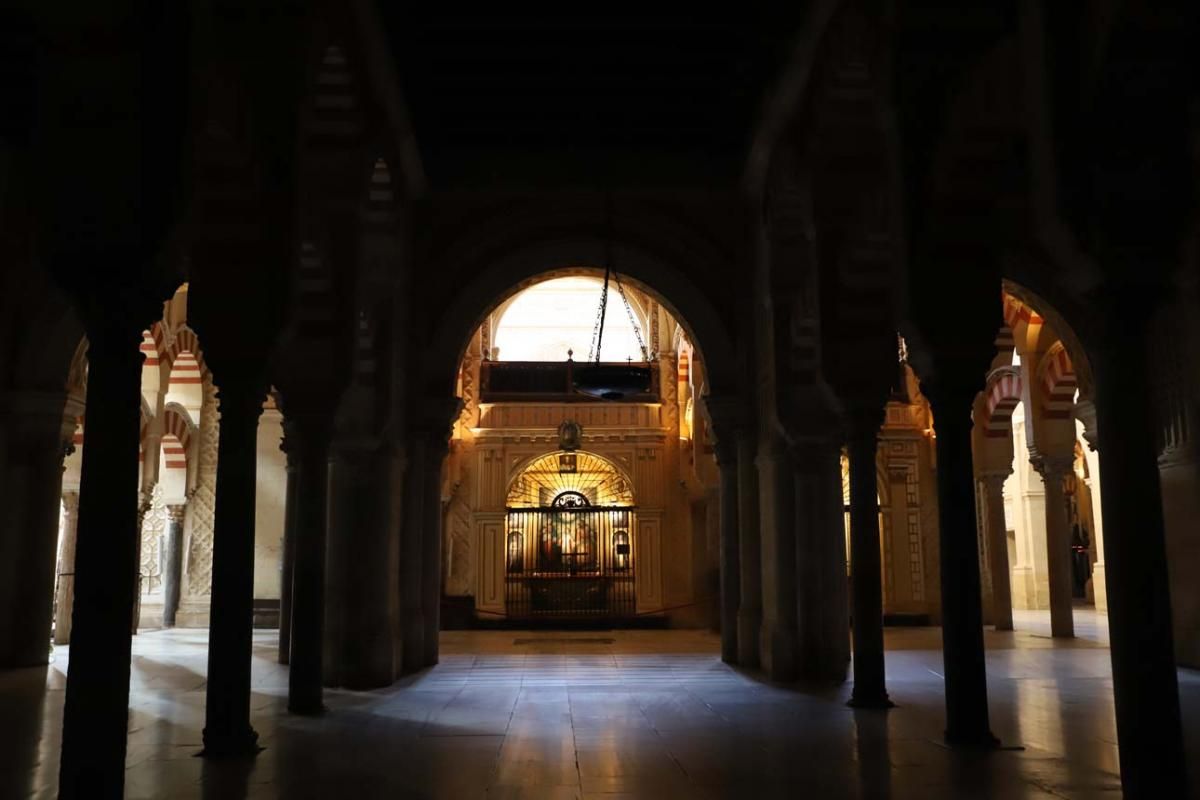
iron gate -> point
(572, 560)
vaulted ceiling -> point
(585, 97)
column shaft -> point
(822, 604)
(65, 600)
(37, 495)
(431, 547)
(172, 572)
(305, 676)
(95, 712)
(997, 533)
(288, 559)
(411, 557)
(1145, 682)
(729, 553)
(1058, 546)
(777, 522)
(870, 689)
(749, 618)
(962, 612)
(227, 730)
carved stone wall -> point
(509, 435)
(198, 535)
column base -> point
(748, 626)
(779, 657)
(1099, 587)
(243, 744)
(307, 708)
(870, 700)
(414, 640)
(975, 740)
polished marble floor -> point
(628, 714)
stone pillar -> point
(1053, 470)
(996, 531)
(730, 577)
(412, 620)
(777, 520)
(436, 447)
(749, 617)
(967, 721)
(362, 566)
(288, 566)
(65, 600)
(173, 572)
(96, 707)
(820, 578)
(143, 508)
(870, 687)
(309, 434)
(36, 452)
(1099, 574)
(1145, 682)
(227, 730)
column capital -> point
(725, 412)
(70, 501)
(1085, 412)
(725, 451)
(240, 395)
(1052, 465)
(994, 479)
(176, 512)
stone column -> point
(36, 452)
(870, 687)
(1053, 470)
(1145, 682)
(967, 721)
(436, 447)
(777, 521)
(311, 432)
(749, 617)
(65, 601)
(362, 565)
(820, 579)
(288, 566)
(96, 707)
(227, 730)
(143, 507)
(412, 620)
(730, 578)
(996, 530)
(173, 572)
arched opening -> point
(569, 548)
(539, 518)
(1037, 473)
(556, 320)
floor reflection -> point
(651, 714)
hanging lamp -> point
(612, 381)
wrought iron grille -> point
(573, 560)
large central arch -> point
(505, 275)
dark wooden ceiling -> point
(585, 94)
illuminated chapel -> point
(454, 403)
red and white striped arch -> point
(177, 438)
(186, 371)
(151, 348)
(1056, 374)
(685, 368)
(185, 341)
(1017, 313)
(1003, 393)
